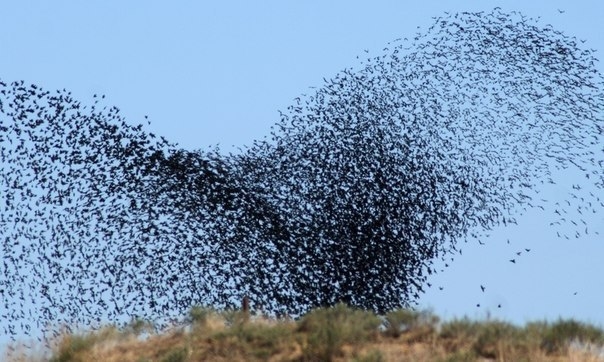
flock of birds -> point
(360, 188)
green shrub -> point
(560, 334)
(460, 356)
(235, 318)
(73, 345)
(177, 355)
(328, 329)
(251, 339)
(458, 334)
(372, 356)
(70, 346)
(496, 340)
(400, 320)
(138, 326)
(199, 315)
(421, 324)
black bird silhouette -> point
(482, 288)
(362, 186)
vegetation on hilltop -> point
(337, 333)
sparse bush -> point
(251, 340)
(416, 325)
(199, 315)
(72, 348)
(560, 334)
(264, 341)
(400, 320)
(235, 318)
(138, 326)
(372, 356)
(533, 334)
(460, 356)
(458, 334)
(328, 329)
(496, 340)
(177, 355)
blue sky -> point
(217, 73)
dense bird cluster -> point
(361, 187)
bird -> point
(482, 288)
(513, 261)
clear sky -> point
(211, 73)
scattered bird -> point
(482, 288)
(513, 261)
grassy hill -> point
(333, 334)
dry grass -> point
(335, 334)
